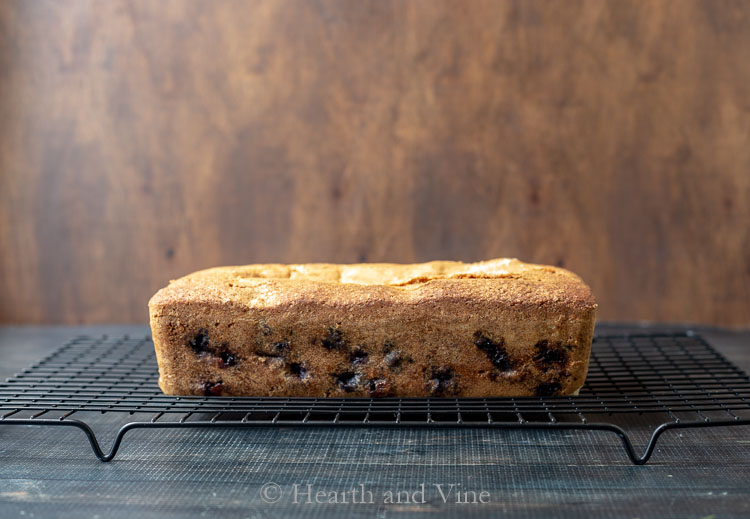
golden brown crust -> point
(495, 328)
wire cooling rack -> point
(670, 381)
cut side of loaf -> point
(437, 329)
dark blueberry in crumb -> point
(377, 387)
(548, 389)
(495, 351)
(348, 381)
(358, 357)
(442, 374)
(212, 388)
(549, 355)
(281, 347)
(276, 350)
(298, 370)
(226, 359)
(200, 343)
(393, 359)
(442, 381)
(334, 340)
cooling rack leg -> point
(637, 460)
(677, 425)
(120, 435)
(634, 457)
(66, 423)
(151, 425)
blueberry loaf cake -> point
(438, 329)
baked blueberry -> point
(202, 346)
(348, 380)
(549, 355)
(226, 359)
(378, 387)
(358, 357)
(298, 370)
(200, 342)
(281, 347)
(495, 351)
(275, 349)
(334, 340)
(442, 381)
(393, 359)
(212, 388)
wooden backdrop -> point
(142, 140)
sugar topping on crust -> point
(272, 284)
(392, 274)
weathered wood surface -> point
(52, 473)
(142, 140)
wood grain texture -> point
(142, 140)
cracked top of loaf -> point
(268, 285)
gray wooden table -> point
(524, 473)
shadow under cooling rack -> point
(666, 381)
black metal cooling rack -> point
(674, 381)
